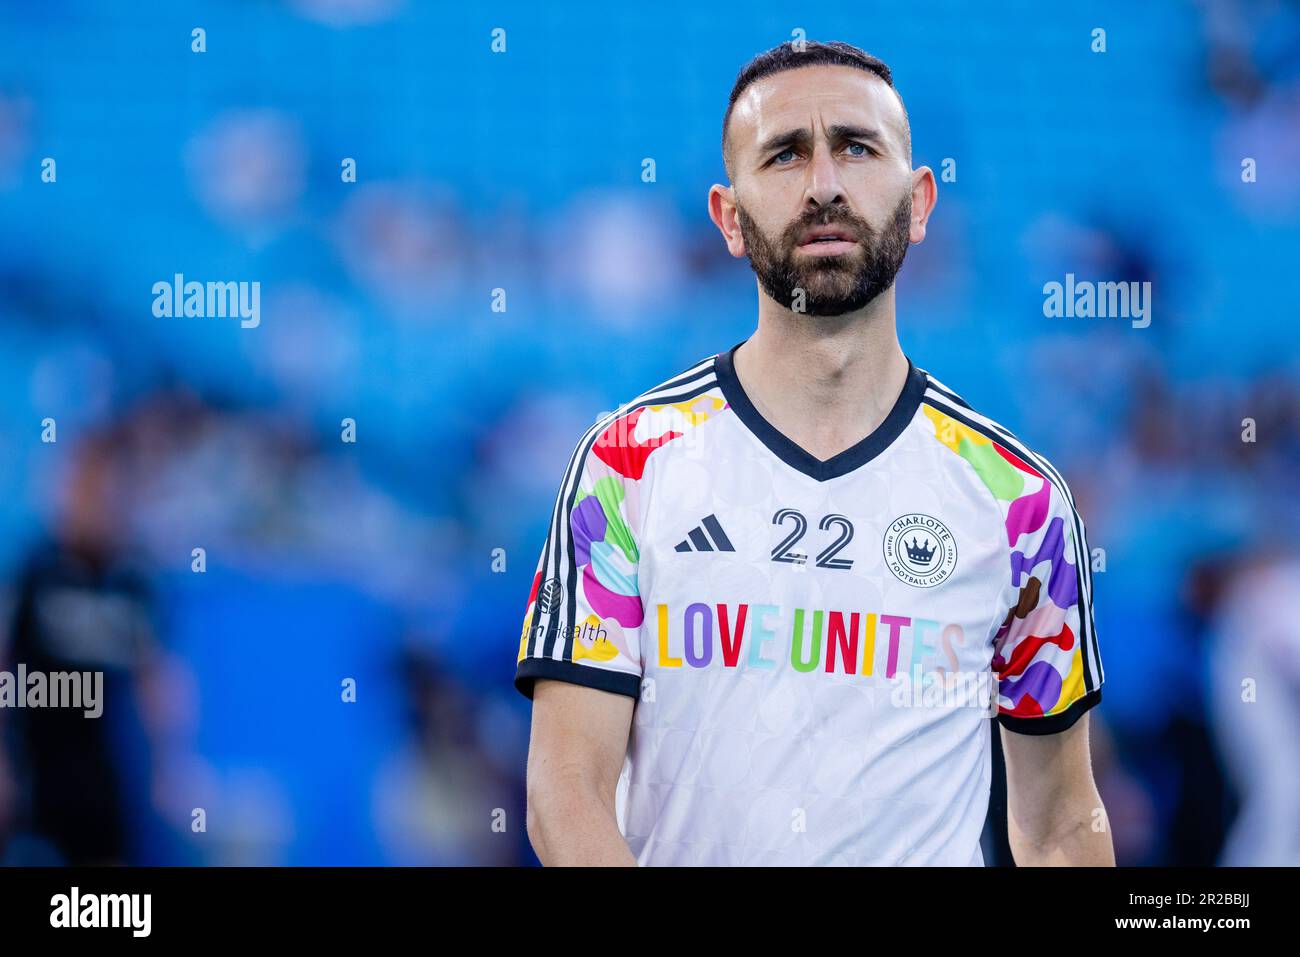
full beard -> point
(828, 285)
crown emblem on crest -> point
(919, 554)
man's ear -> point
(722, 210)
(925, 193)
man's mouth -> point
(827, 240)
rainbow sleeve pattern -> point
(1038, 654)
(584, 606)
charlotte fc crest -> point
(920, 550)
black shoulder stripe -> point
(698, 371)
(552, 540)
(946, 393)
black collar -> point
(788, 452)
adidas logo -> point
(707, 536)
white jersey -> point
(815, 647)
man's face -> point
(823, 186)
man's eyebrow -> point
(784, 140)
(849, 132)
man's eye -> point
(789, 154)
(859, 149)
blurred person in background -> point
(1255, 704)
(82, 605)
(436, 797)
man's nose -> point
(824, 187)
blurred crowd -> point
(237, 526)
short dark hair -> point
(788, 56)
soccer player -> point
(785, 590)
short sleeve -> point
(584, 611)
(1046, 659)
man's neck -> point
(825, 382)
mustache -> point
(840, 216)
